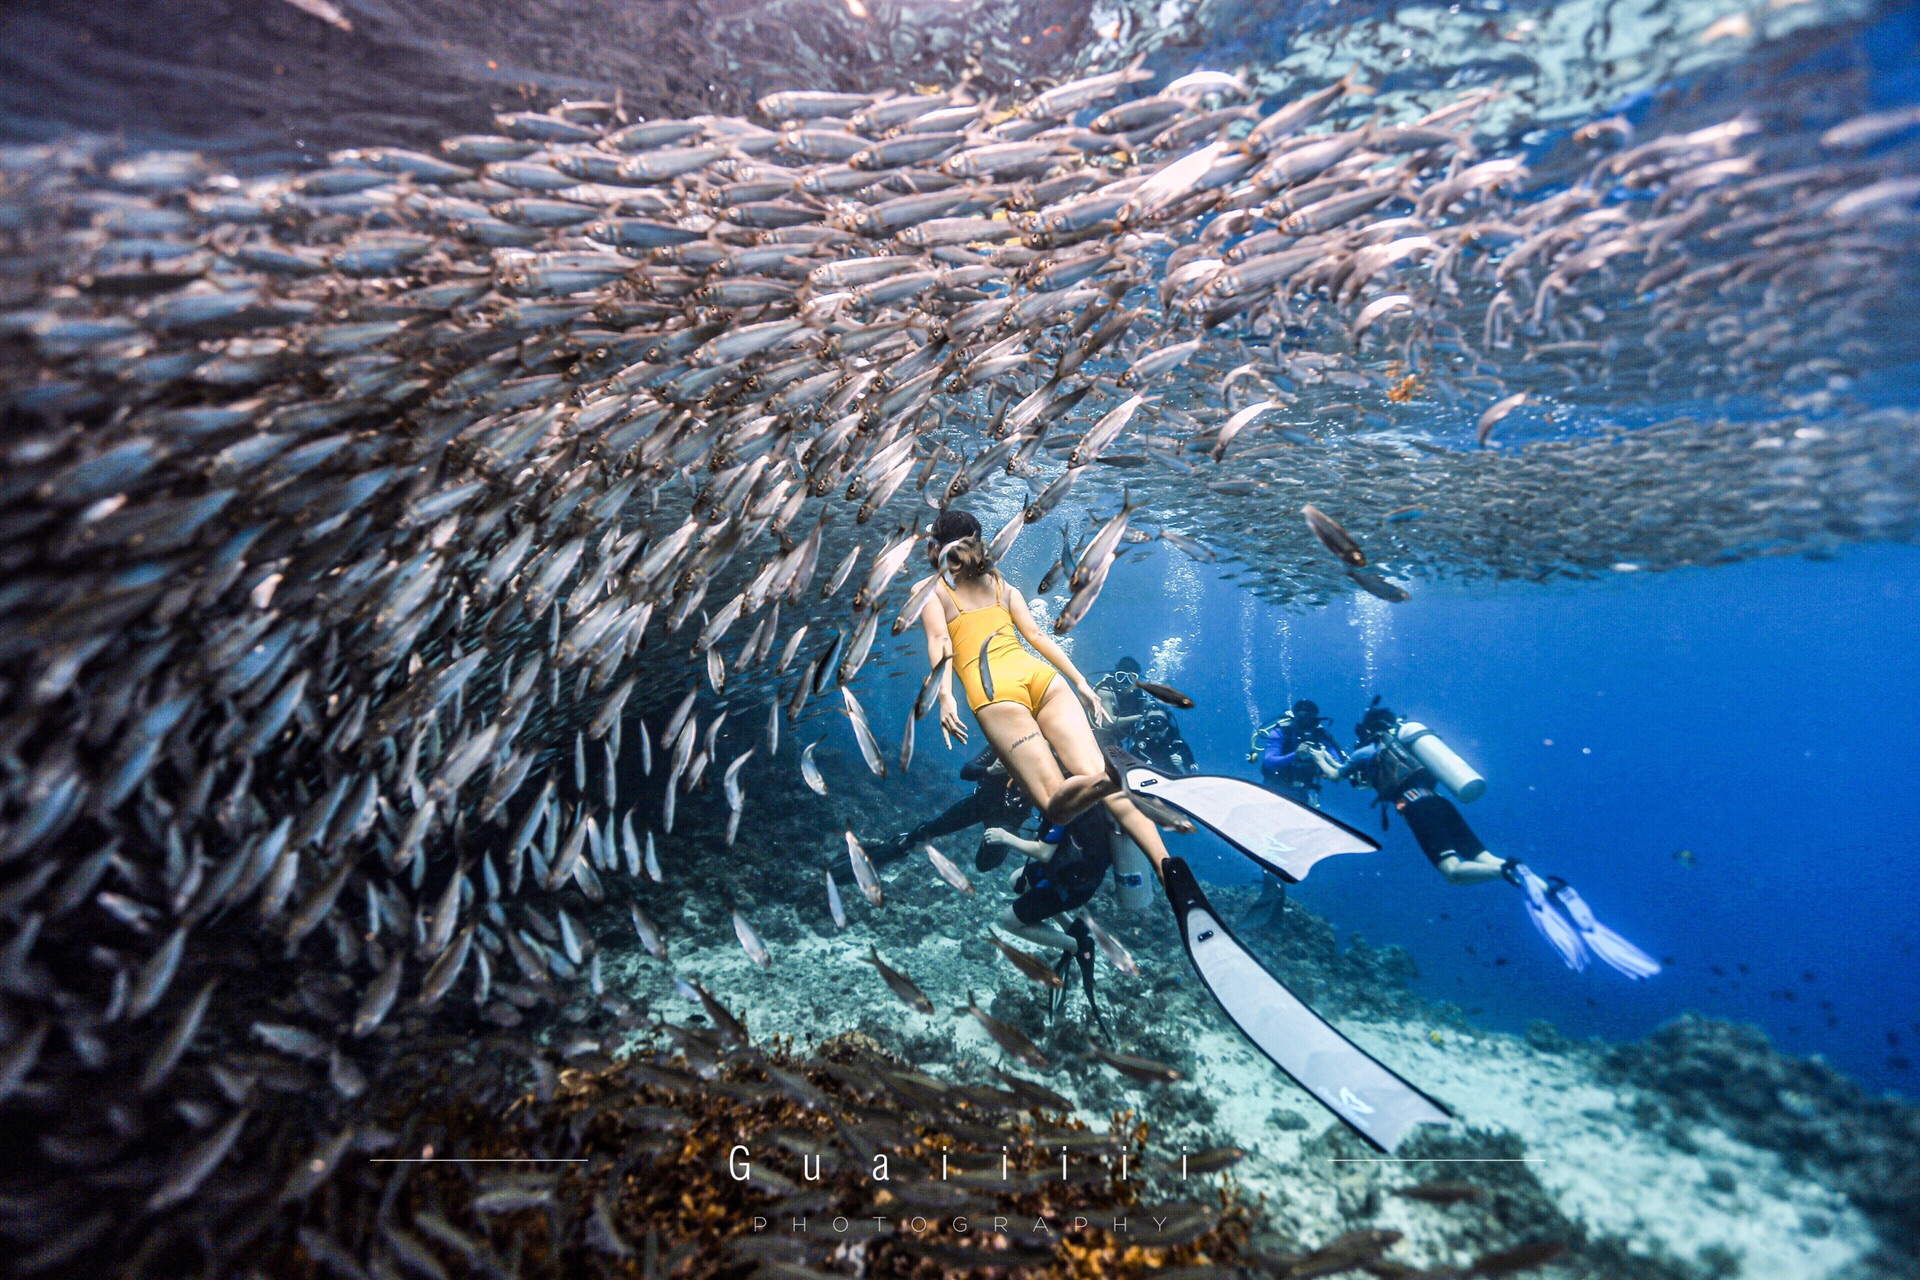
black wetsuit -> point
(995, 802)
(1072, 876)
(1409, 786)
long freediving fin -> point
(1552, 925)
(1600, 940)
(1370, 1098)
(1282, 835)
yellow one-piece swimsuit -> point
(987, 633)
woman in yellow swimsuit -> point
(1037, 715)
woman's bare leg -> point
(1029, 755)
(1064, 722)
(1016, 738)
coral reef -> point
(1709, 1072)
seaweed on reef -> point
(625, 1169)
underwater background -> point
(1700, 709)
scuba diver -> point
(1140, 723)
(1297, 752)
(1405, 763)
(1156, 739)
(997, 801)
(1120, 690)
(1058, 879)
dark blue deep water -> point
(1761, 716)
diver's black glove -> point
(1510, 871)
(891, 850)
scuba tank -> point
(1441, 760)
(1133, 875)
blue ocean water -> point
(1759, 715)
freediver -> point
(1039, 716)
(1038, 713)
(1406, 763)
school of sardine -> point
(352, 516)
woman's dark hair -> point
(956, 545)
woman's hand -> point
(950, 718)
(1096, 710)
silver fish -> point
(810, 772)
(1116, 954)
(649, 932)
(834, 904)
(863, 872)
(948, 871)
(446, 969)
(863, 733)
(1333, 537)
(750, 941)
(379, 997)
(930, 688)
(904, 988)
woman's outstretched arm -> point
(933, 621)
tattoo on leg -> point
(1014, 746)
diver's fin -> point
(1552, 925)
(1269, 909)
(1602, 941)
(1282, 835)
(1376, 1103)
(1084, 954)
(1057, 996)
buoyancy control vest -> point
(1396, 769)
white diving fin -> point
(1282, 835)
(1600, 940)
(1552, 925)
(1370, 1098)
